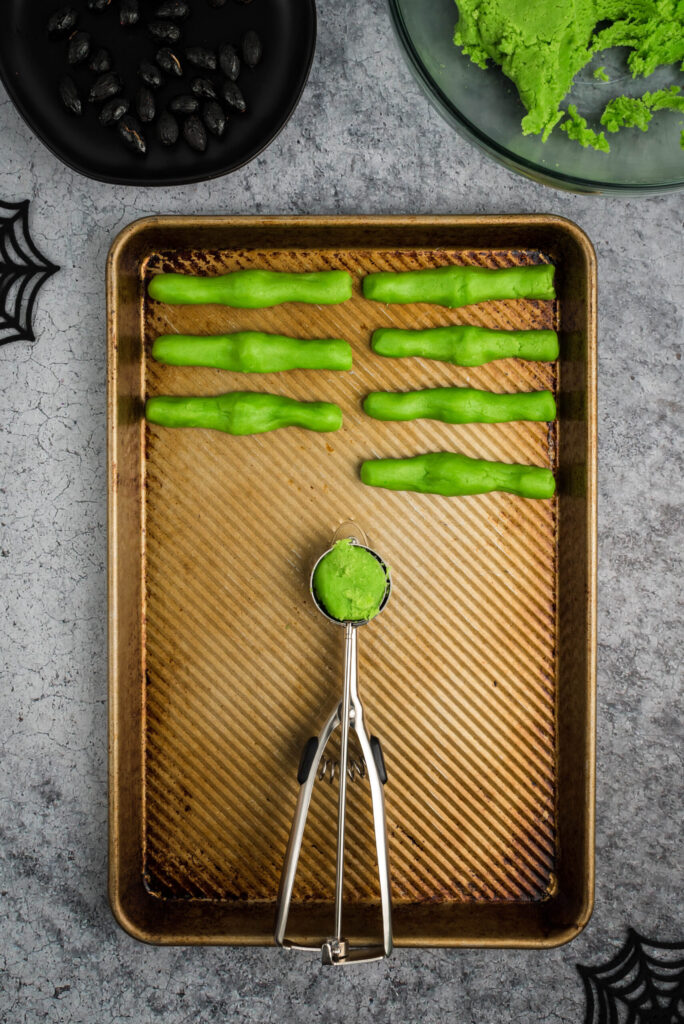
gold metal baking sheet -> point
(220, 667)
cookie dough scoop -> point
(350, 584)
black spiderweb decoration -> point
(22, 273)
(643, 984)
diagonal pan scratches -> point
(468, 738)
(474, 714)
(429, 612)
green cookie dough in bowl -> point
(506, 73)
(542, 45)
(350, 582)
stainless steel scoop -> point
(349, 713)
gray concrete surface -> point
(362, 140)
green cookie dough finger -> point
(451, 474)
(466, 345)
(252, 289)
(460, 405)
(242, 412)
(252, 352)
(461, 286)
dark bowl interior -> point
(31, 65)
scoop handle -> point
(350, 677)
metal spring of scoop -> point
(329, 769)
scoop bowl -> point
(321, 607)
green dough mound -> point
(664, 99)
(576, 128)
(350, 583)
(625, 112)
(541, 46)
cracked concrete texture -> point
(362, 140)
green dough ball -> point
(350, 583)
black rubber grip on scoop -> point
(307, 759)
(378, 758)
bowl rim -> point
(520, 164)
(177, 179)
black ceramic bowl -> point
(31, 65)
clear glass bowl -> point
(484, 106)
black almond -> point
(203, 87)
(132, 134)
(150, 74)
(251, 49)
(232, 94)
(100, 62)
(169, 62)
(79, 48)
(62, 21)
(229, 61)
(214, 118)
(184, 104)
(201, 57)
(174, 9)
(129, 13)
(167, 128)
(69, 96)
(105, 87)
(165, 31)
(113, 110)
(194, 133)
(145, 105)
